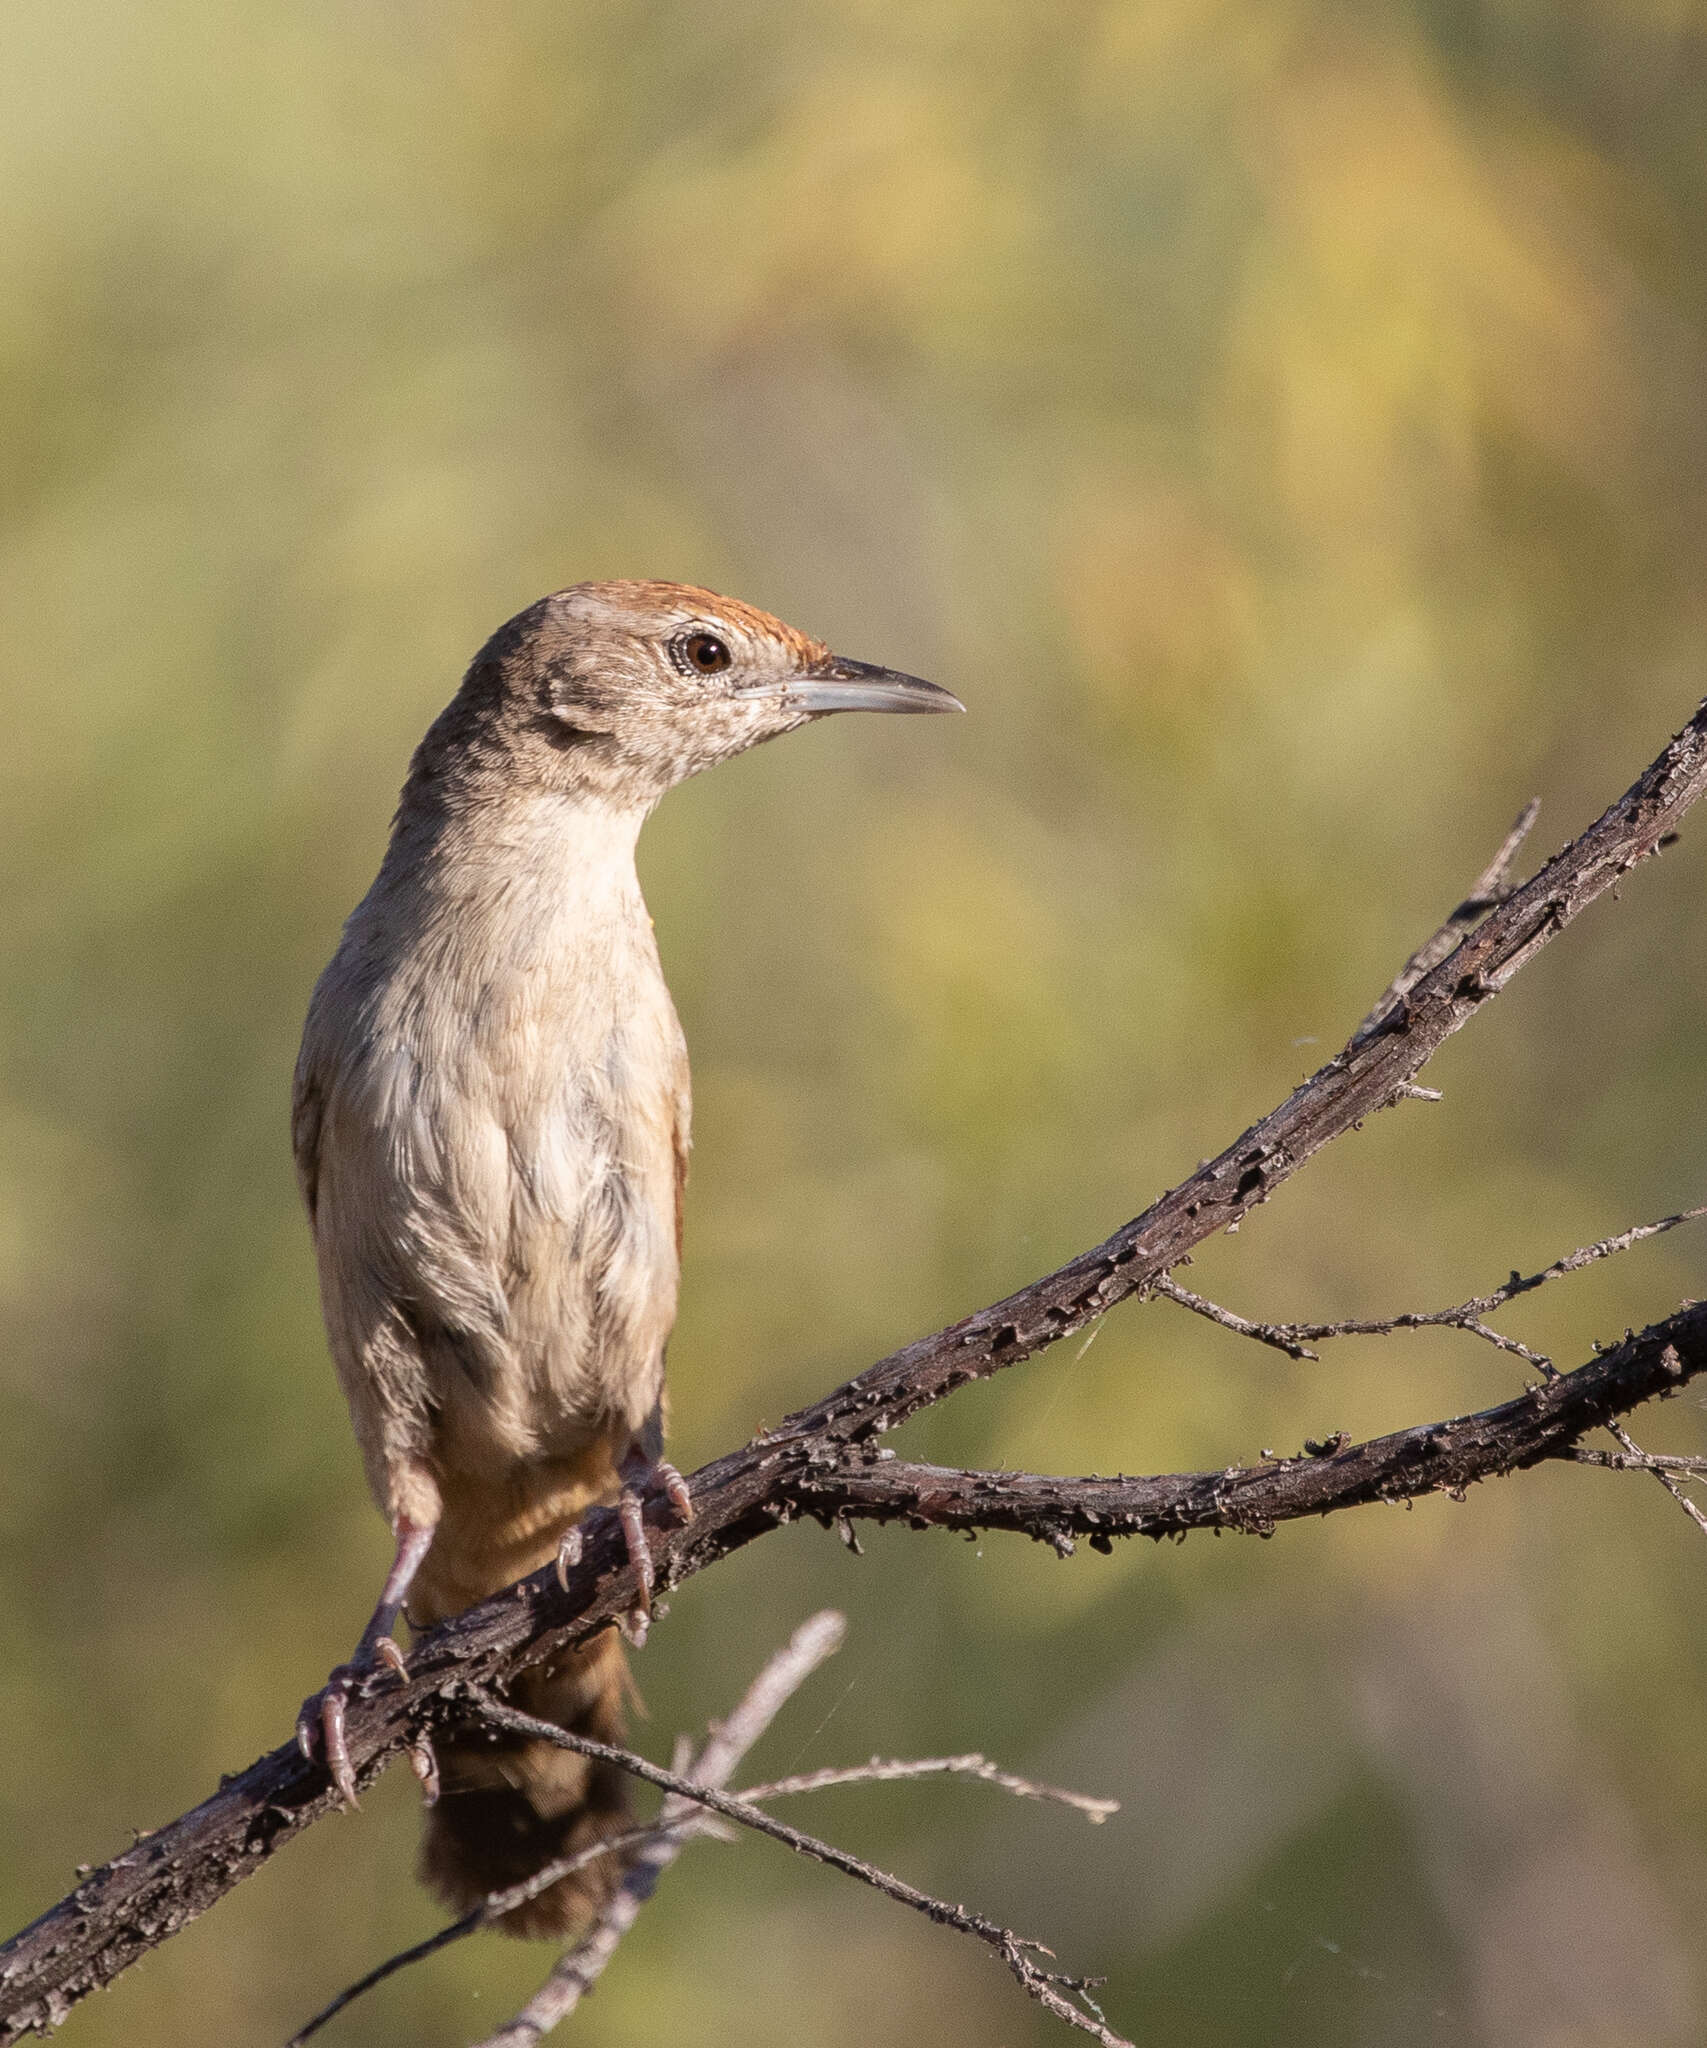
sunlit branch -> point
(129, 1906)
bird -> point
(490, 1119)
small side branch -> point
(1440, 1457)
(1051, 1989)
(891, 1770)
(580, 1967)
(1659, 1468)
(655, 1847)
(1488, 891)
(680, 1820)
(1295, 1339)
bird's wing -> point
(307, 1114)
(681, 1139)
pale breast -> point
(503, 1117)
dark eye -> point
(706, 653)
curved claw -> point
(324, 1711)
(569, 1554)
(643, 1480)
(337, 1749)
(320, 1723)
(631, 1507)
(668, 1481)
(320, 1728)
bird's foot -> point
(644, 1481)
(320, 1723)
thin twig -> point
(1586, 1255)
(1046, 1986)
(1665, 1478)
(729, 1741)
(1295, 1338)
(1545, 1421)
(579, 1968)
(1488, 891)
(1278, 1336)
(493, 1907)
(887, 1770)
(1640, 1461)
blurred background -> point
(1286, 425)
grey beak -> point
(838, 684)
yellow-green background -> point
(1286, 426)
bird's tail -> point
(507, 1806)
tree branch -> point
(655, 1845)
(680, 1820)
(579, 1968)
(891, 1770)
(1295, 1339)
(144, 1896)
(1435, 1457)
(1491, 888)
(1050, 1988)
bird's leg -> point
(646, 1478)
(324, 1710)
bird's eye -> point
(706, 653)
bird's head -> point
(626, 689)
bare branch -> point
(581, 1966)
(143, 1897)
(658, 1843)
(1660, 1472)
(890, 1770)
(1439, 1457)
(1488, 891)
(1295, 1338)
(1278, 1336)
(1639, 1461)
(1048, 1987)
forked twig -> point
(681, 1819)
(1491, 888)
(1295, 1339)
(1050, 1988)
(656, 1845)
(1663, 1470)
(579, 1968)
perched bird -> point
(490, 1120)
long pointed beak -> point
(838, 684)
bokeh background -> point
(1285, 423)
